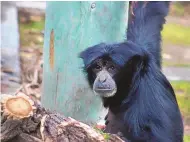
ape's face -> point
(103, 72)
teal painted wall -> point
(76, 26)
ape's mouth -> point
(105, 92)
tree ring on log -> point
(18, 106)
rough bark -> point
(34, 123)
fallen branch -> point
(24, 120)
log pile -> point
(24, 120)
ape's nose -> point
(102, 78)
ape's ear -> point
(138, 64)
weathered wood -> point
(71, 27)
(42, 125)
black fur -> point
(144, 107)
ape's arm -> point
(145, 25)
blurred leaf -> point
(176, 34)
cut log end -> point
(17, 107)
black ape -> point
(127, 76)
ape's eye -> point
(112, 67)
(97, 67)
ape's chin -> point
(105, 93)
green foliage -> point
(105, 135)
(178, 9)
(30, 33)
(176, 34)
(33, 25)
(182, 90)
(167, 64)
(186, 138)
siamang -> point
(128, 77)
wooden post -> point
(71, 27)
